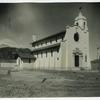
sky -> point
(19, 21)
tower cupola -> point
(81, 21)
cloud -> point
(8, 42)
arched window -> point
(84, 24)
(77, 23)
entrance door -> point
(76, 60)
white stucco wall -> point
(12, 65)
(82, 45)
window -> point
(33, 46)
(85, 58)
(56, 39)
(84, 24)
(46, 42)
(51, 53)
(46, 53)
(41, 43)
(77, 24)
(76, 36)
(57, 58)
(50, 41)
(37, 55)
(16, 56)
(41, 54)
(57, 50)
(29, 60)
(62, 38)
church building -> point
(66, 50)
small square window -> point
(57, 58)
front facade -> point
(66, 50)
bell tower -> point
(77, 44)
(81, 20)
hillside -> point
(11, 52)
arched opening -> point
(84, 24)
(76, 60)
(77, 23)
(77, 57)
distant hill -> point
(4, 45)
(13, 53)
(9, 50)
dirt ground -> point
(49, 84)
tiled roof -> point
(26, 56)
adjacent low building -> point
(16, 58)
(95, 65)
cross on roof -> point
(80, 8)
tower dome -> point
(80, 16)
(81, 21)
